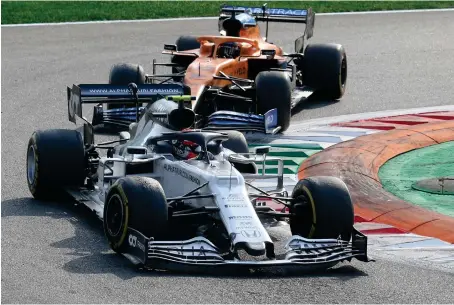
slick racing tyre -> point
(325, 69)
(55, 160)
(183, 43)
(322, 208)
(274, 90)
(135, 202)
(238, 144)
(124, 74)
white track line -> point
(213, 18)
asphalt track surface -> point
(55, 253)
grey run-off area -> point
(52, 253)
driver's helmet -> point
(185, 150)
(228, 50)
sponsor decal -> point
(234, 198)
(135, 243)
(185, 251)
(235, 205)
(251, 233)
(240, 71)
(142, 90)
(271, 119)
(103, 90)
(272, 11)
(240, 217)
(300, 246)
(181, 173)
(245, 225)
(239, 228)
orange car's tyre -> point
(135, 202)
(274, 90)
(322, 208)
(124, 74)
(184, 43)
(325, 69)
(55, 160)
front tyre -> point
(183, 43)
(135, 202)
(322, 208)
(274, 90)
(55, 160)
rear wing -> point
(270, 14)
(306, 16)
(116, 94)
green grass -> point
(14, 12)
(398, 175)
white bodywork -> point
(231, 197)
(178, 178)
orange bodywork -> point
(201, 71)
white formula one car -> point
(172, 197)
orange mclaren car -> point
(239, 79)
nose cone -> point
(251, 248)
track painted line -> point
(317, 123)
(214, 18)
(108, 22)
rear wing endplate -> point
(111, 94)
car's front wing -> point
(199, 252)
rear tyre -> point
(238, 144)
(135, 202)
(274, 90)
(323, 209)
(55, 160)
(184, 43)
(124, 74)
(325, 69)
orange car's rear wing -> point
(270, 14)
(265, 14)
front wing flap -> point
(199, 252)
(223, 120)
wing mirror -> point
(136, 150)
(262, 150)
(268, 53)
(170, 47)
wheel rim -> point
(114, 215)
(31, 165)
(343, 72)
